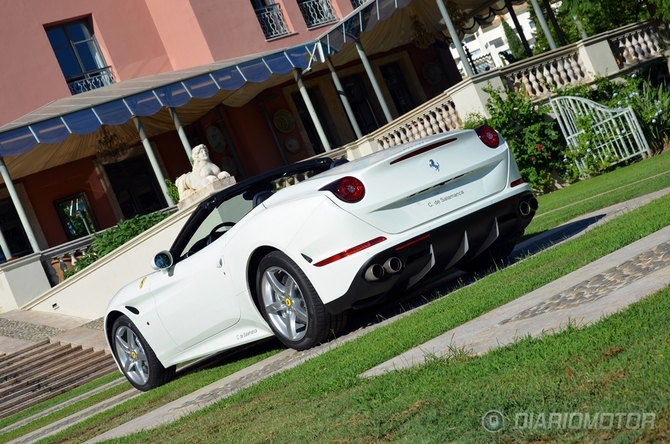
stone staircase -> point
(47, 369)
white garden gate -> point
(613, 134)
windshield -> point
(223, 216)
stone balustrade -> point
(436, 116)
(636, 43)
(612, 54)
(538, 76)
(57, 260)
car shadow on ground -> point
(230, 356)
(436, 288)
(453, 279)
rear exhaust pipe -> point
(527, 206)
(524, 208)
(374, 273)
(392, 265)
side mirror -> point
(162, 261)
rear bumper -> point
(434, 251)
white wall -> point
(87, 293)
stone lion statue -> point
(204, 172)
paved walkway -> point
(20, 329)
(581, 297)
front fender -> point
(137, 303)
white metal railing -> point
(594, 131)
(91, 80)
(317, 12)
(272, 21)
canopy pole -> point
(519, 29)
(152, 160)
(543, 24)
(310, 108)
(3, 245)
(454, 38)
(344, 99)
(182, 134)
(373, 80)
(580, 28)
(554, 22)
(19, 210)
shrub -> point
(173, 191)
(109, 240)
(530, 133)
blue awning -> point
(116, 104)
(243, 78)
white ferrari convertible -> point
(292, 251)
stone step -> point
(51, 372)
(26, 375)
(25, 353)
(19, 407)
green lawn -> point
(618, 365)
(602, 191)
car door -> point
(195, 299)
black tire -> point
(496, 255)
(137, 360)
(337, 323)
(290, 304)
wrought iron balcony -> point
(91, 80)
(272, 21)
(357, 3)
(317, 12)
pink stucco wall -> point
(137, 37)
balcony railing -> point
(357, 3)
(317, 12)
(272, 21)
(91, 80)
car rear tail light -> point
(516, 183)
(347, 189)
(488, 135)
(350, 251)
(411, 242)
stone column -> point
(543, 24)
(455, 38)
(373, 80)
(343, 98)
(19, 210)
(153, 160)
(310, 108)
(182, 134)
